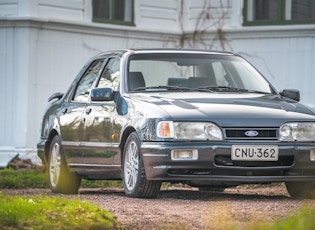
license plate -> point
(255, 153)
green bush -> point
(52, 213)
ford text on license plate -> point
(255, 153)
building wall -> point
(43, 45)
(283, 55)
(14, 73)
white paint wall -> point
(43, 45)
(284, 55)
(44, 58)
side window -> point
(113, 11)
(110, 75)
(84, 86)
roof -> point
(164, 50)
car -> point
(203, 118)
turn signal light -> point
(165, 129)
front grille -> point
(257, 133)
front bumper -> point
(214, 163)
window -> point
(110, 75)
(113, 11)
(161, 72)
(277, 12)
(84, 86)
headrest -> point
(135, 80)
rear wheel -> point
(61, 180)
(134, 179)
(301, 189)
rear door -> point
(70, 119)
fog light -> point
(312, 155)
(184, 154)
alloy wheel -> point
(131, 165)
(54, 165)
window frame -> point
(281, 17)
(112, 10)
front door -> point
(97, 137)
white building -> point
(44, 43)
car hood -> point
(225, 109)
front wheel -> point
(134, 179)
(61, 180)
(301, 189)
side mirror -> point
(102, 94)
(291, 93)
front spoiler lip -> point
(240, 179)
(165, 176)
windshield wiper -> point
(207, 89)
(165, 87)
(231, 89)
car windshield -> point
(193, 72)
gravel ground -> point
(188, 208)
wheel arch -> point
(123, 140)
(52, 134)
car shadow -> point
(206, 196)
(190, 194)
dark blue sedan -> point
(206, 119)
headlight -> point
(297, 131)
(189, 130)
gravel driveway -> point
(188, 208)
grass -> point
(26, 178)
(52, 213)
(56, 213)
(222, 219)
(304, 219)
(36, 178)
(49, 212)
(101, 184)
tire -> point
(301, 189)
(134, 179)
(60, 179)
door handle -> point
(88, 111)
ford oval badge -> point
(251, 133)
